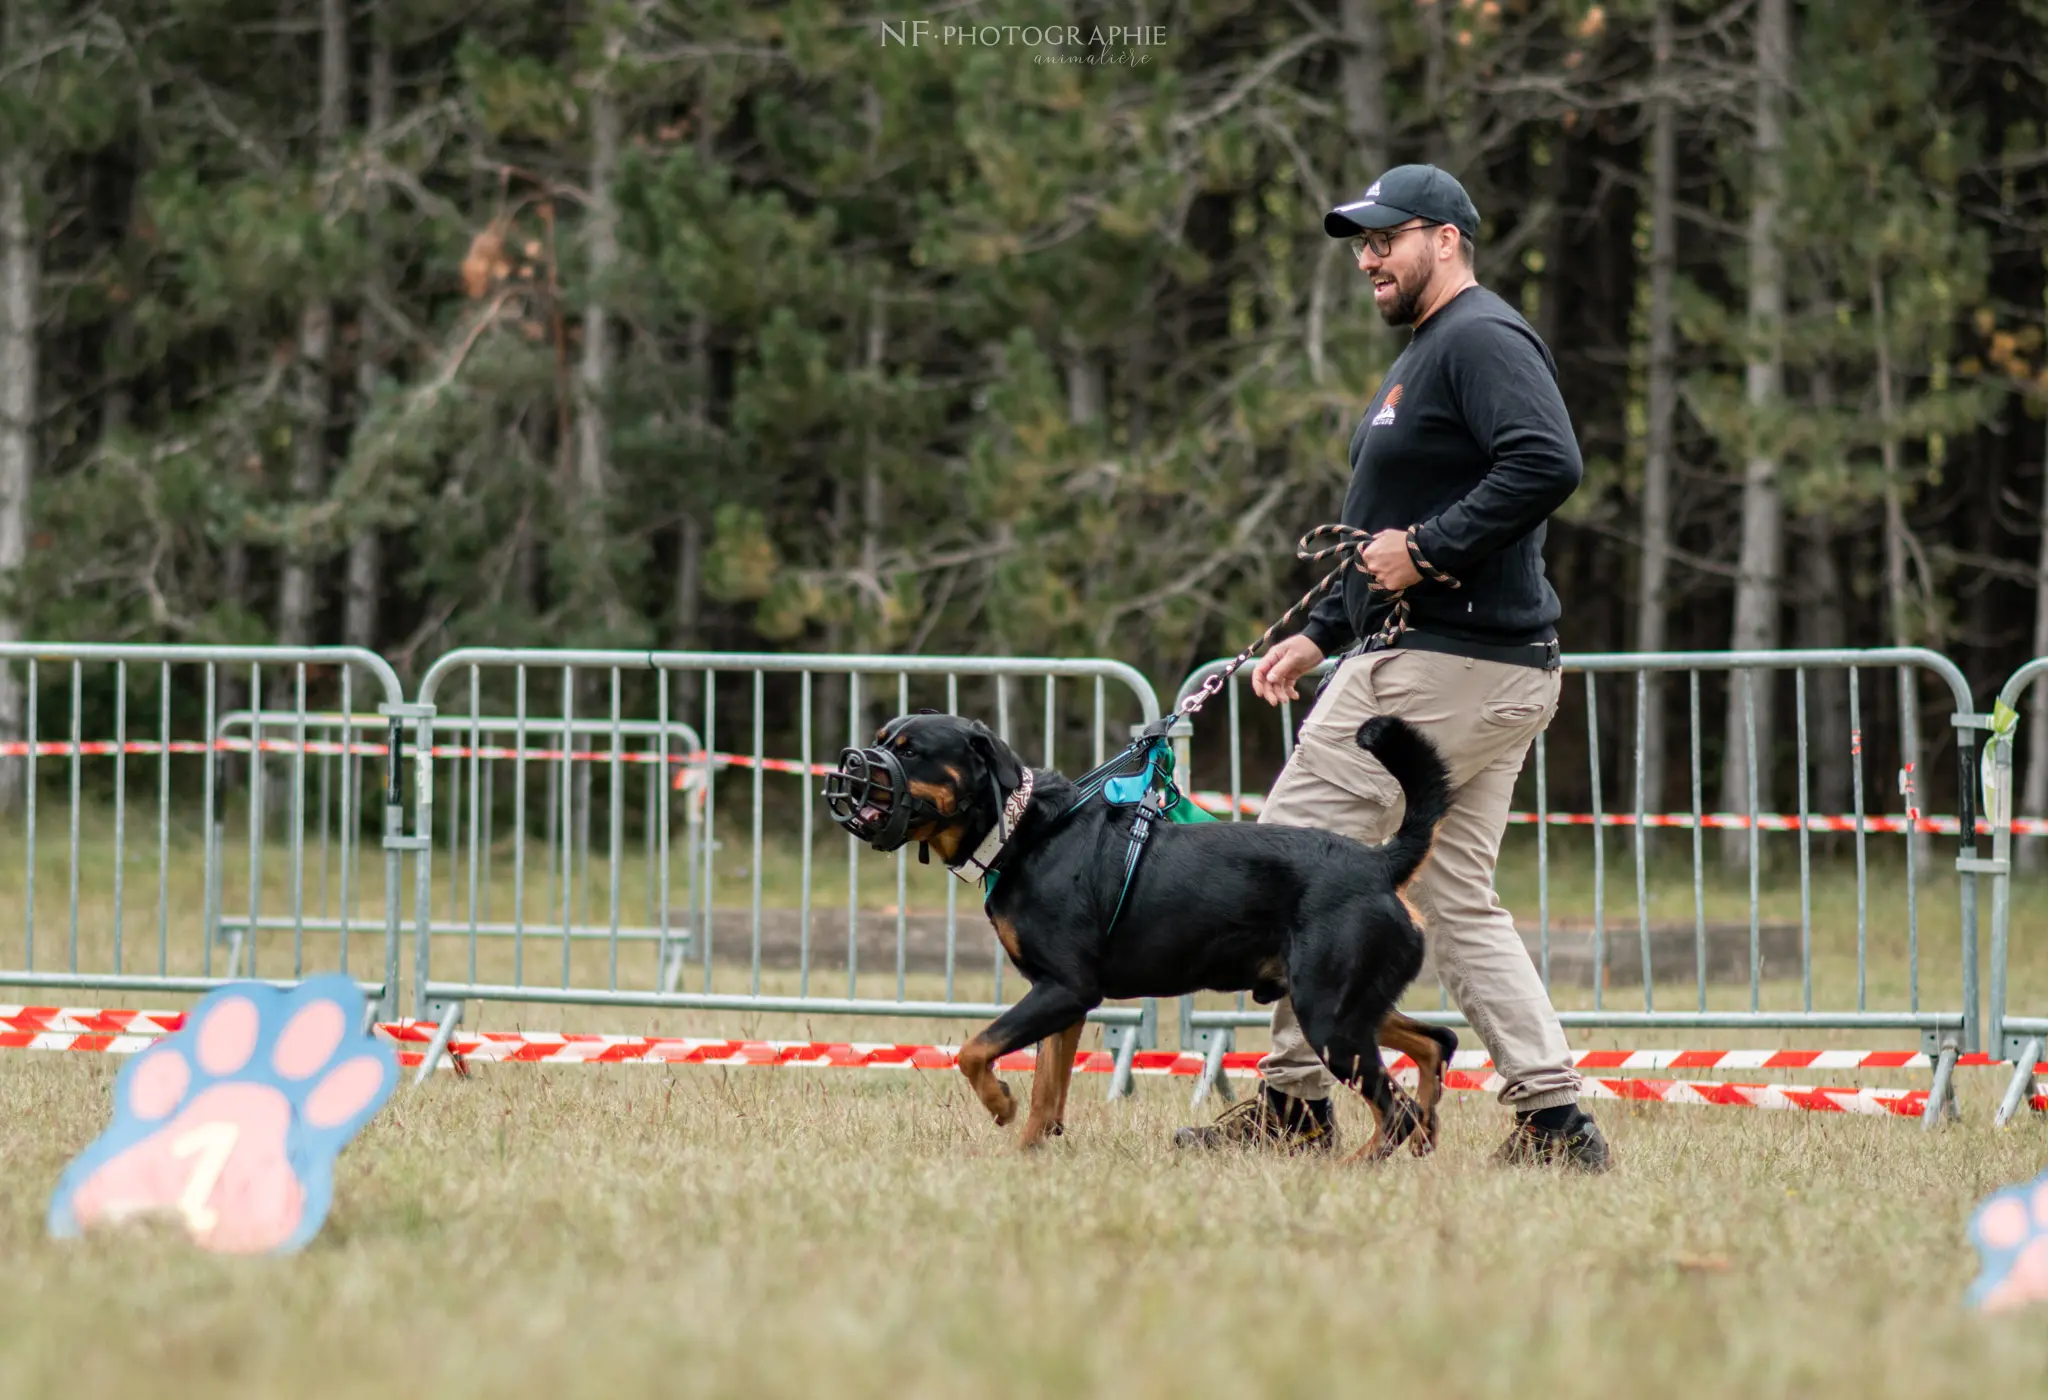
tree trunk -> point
(871, 502)
(1554, 242)
(20, 285)
(593, 440)
(366, 549)
(527, 580)
(1086, 386)
(1138, 389)
(1435, 137)
(689, 584)
(2034, 735)
(118, 406)
(1653, 580)
(1362, 81)
(1897, 610)
(231, 683)
(834, 710)
(1761, 558)
(312, 390)
(689, 593)
(1823, 623)
(1898, 603)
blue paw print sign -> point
(2010, 1230)
(231, 1126)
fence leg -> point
(1124, 1041)
(675, 954)
(1214, 1044)
(447, 1018)
(2016, 1093)
(1941, 1097)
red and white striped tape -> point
(527, 1048)
(1250, 804)
(92, 1022)
(82, 1030)
(1752, 1059)
(688, 765)
(1814, 1099)
(83, 1020)
(538, 1047)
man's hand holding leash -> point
(1274, 677)
(1386, 558)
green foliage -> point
(933, 345)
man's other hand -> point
(1274, 677)
(1387, 560)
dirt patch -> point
(783, 935)
(1674, 952)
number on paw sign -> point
(232, 1125)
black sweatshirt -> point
(1469, 440)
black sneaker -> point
(1564, 1137)
(1268, 1119)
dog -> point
(1212, 906)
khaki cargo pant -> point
(1482, 716)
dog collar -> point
(985, 855)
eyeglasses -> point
(1381, 241)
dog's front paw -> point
(1035, 1137)
(1006, 1114)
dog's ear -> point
(1000, 758)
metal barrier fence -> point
(254, 770)
(1947, 1029)
(471, 767)
(2016, 1038)
(581, 682)
(147, 697)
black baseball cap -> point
(1403, 193)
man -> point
(1455, 467)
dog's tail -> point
(1425, 782)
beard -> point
(1400, 308)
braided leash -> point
(1347, 545)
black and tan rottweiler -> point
(1216, 906)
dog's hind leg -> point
(1431, 1047)
(1356, 1061)
(1049, 1085)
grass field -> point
(626, 1231)
(632, 1230)
(635, 1230)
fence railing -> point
(164, 761)
(1781, 980)
(468, 758)
(2018, 1039)
(1079, 705)
(596, 828)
